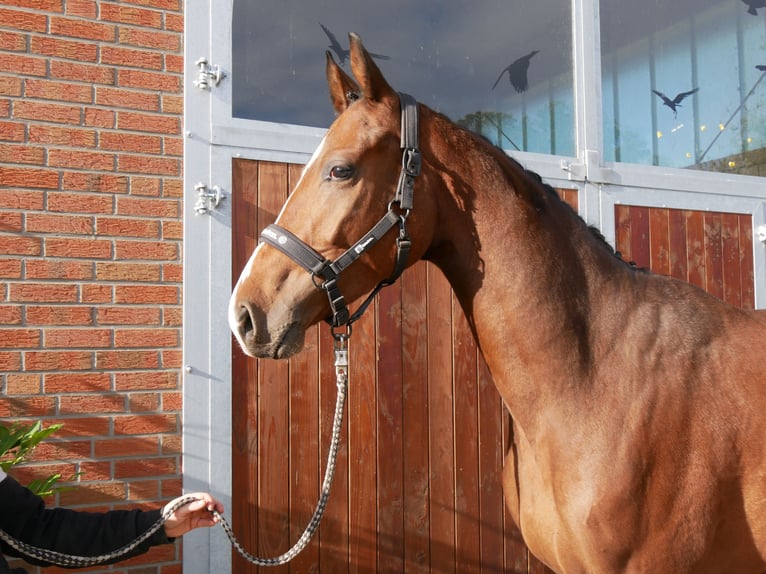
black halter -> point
(324, 272)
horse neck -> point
(524, 267)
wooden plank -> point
(417, 556)
(730, 259)
(659, 241)
(491, 455)
(244, 513)
(390, 456)
(468, 541)
(622, 232)
(713, 254)
(441, 427)
(362, 439)
(677, 244)
(695, 248)
(639, 236)
(273, 405)
(747, 277)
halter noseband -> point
(324, 272)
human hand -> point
(196, 514)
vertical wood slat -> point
(708, 249)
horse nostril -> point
(244, 321)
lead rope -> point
(70, 561)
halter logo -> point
(361, 247)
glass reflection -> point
(683, 83)
(500, 68)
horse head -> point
(320, 247)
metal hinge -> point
(208, 74)
(762, 233)
(208, 199)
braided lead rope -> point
(72, 561)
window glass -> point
(501, 68)
(683, 83)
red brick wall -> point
(90, 245)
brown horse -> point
(638, 401)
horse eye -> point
(341, 172)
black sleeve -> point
(23, 515)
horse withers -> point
(638, 401)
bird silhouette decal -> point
(753, 6)
(761, 67)
(675, 103)
(340, 51)
(517, 73)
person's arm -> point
(24, 516)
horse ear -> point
(374, 85)
(343, 89)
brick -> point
(58, 360)
(80, 203)
(59, 91)
(174, 22)
(59, 315)
(129, 316)
(95, 470)
(91, 403)
(63, 136)
(172, 444)
(173, 187)
(145, 424)
(101, 182)
(172, 230)
(125, 227)
(90, 426)
(146, 338)
(96, 293)
(16, 338)
(100, 118)
(27, 21)
(130, 15)
(10, 361)
(132, 58)
(153, 123)
(20, 245)
(174, 63)
(131, 142)
(147, 294)
(146, 250)
(173, 146)
(23, 64)
(58, 269)
(88, 160)
(10, 268)
(12, 131)
(131, 99)
(145, 185)
(172, 402)
(83, 8)
(145, 467)
(27, 407)
(172, 104)
(94, 493)
(144, 489)
(150, 380)
(21, 199)
(127, 163)
(46, 112)
(60, 224)
(133, 272)
(127, 447)
(23, 384)
(62, 48)
(85, 338)
(169, 208)
(156, 81)
(10, 86)
(143, 402)
(56, 383)
(150, 39)
(43, 5)
(69, 450)
(124, 359)
(172, 317)
(172, 5)
(11, 222)
(13, 41)
(72, 247)
(21, 154)
(42, 292)
(28, 177)
(77, 72)
(11, 315)
(77, 28)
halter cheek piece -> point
(324, 272)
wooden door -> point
(417, 486)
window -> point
(501, 69)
